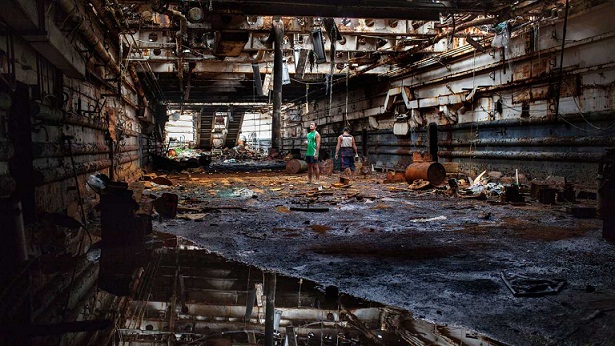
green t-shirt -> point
(311, 143)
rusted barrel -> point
(295, 166)
(430, 171)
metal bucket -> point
(430, 171)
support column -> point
(276, 137)
(270, 284)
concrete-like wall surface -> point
(496, 109)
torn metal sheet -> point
(524, 286)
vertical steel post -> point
(270, 285)
(276, 126)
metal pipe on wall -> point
(522, 155)
(74, 14)
(533, 141)
(62, 150)
(597, 116)
(55, 115)
(276, 123)
(50, 175)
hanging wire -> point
(347, 77)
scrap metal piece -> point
(524, 286)
(166, 205)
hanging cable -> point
(332, 67)
(561, 61)
(346, 123)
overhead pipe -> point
(74, 14)
(435, 39)
(276, 128)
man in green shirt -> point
(311, 154)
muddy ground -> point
(438, 256)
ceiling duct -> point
(230, 43)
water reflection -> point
(189, 296)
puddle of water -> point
(190, 295)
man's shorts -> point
(311, 159)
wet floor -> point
(219, 301)
(442, 258)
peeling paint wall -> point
(60, 122)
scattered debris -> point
(166, 205)
(484, 216)
(512, 194)
(193, 217)
(547, 195)
(419, 184)
(437, 218)
(162, 180)
(524, 286)
(394, 177)
(582, 211)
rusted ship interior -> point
(276, 172)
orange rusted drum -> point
(430, 171)
(296, 166)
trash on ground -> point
(524, 286)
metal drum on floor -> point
(433, 172)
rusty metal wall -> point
(496, 109)
(58, 281)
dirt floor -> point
(440, 257)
